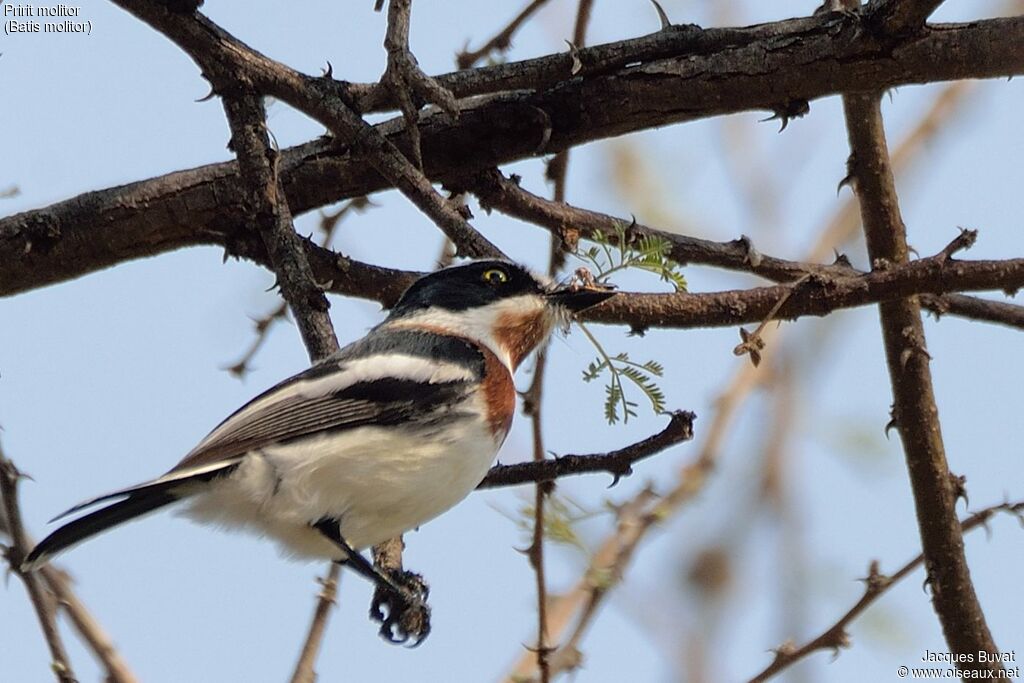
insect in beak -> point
(576, 297)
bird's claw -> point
(403, 616)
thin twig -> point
(257, 160)
(915, 414)
(115, 668)
(406, 80)
(557, 173)
(752, 343)
(875, 585)
(502, 41)
(328, 225)
(618, 463)
(42, 601)
(304, 671)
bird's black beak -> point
(578, 299)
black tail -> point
(135, 505)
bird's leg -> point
(404, 594)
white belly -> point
(379, 482)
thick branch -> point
(915, 414)
(569, 224)
(226, 61)
(818, 295)
(683, 73)
(618, 463)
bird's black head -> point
(469, 286)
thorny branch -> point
(875, 585)
(618, 463)
(42, 601)
(899, 17)
(502, 40)
(258, 163)
(46, 245)
(304, 671)
(557, 173)
(616, 549)
(915, 414)
(115, 668)
(407, 82)
(264, 324)
(908, 18)
(569, 224)
(226, 60)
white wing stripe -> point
(380, 366)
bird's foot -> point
(403, 615)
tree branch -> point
(900, 17)
(704, 46)
(502, 40)
(569, 224)
(818, 295)
(875, 585)
(258, 163)
(407, 82)
(304, 671)
(42, 602)
(226, 60)
(915, 414)
(805, 58)
(618, 463)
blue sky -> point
(108, 380)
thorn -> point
(616, 476)
(842, 639)
(893, 422)
(662, 17)
(875, 580)
(928, 579)
(958, 483)
(574, 52)
(208, 96)
(841, 259)
(784, 651)
(750, 255)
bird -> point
(373, 441)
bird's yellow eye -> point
(495, 276)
